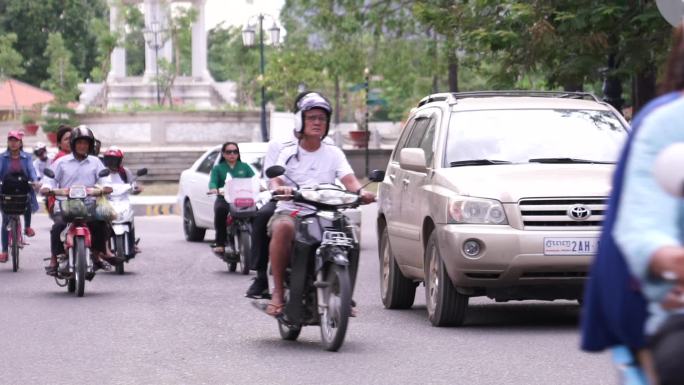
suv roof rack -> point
(452, 97)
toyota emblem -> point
(579, 212)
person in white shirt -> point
(42, 159)
(308, 162)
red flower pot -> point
(52, 137)
(31, 128)
(359, 138)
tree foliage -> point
(10, 59)
(64, 77)
(33, 21)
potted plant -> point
(57, 116)
(30, 125)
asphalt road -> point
(178, 317)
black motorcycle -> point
(319, 282)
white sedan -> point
(198, 207)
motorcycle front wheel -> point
(120, 253)
(81, 265)
(335, 303)
(245, 247)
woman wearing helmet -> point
(16, 170)
(113, 160)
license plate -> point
(570, 246)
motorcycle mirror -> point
(48, 173)
(376, 176)
(103, 173)
(141, 172)
(275, 171)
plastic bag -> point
(104, 211)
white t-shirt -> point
(312, 168)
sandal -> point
(270, 309)
(218, 250)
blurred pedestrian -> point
(633, 294)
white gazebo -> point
(199, 89)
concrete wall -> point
(164, 129)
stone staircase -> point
(163, 165)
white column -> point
(156, 11)
(199, 44)
(118, 56)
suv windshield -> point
(534, 135)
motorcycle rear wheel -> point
(287, 332)
(337, 300)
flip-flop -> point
(269, 309)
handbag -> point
(104, 211)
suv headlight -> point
(476, 211)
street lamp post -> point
(155, 40)
(366, 73)
(248, 37)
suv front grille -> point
(565, 213)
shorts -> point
(279, 216)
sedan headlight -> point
(330, 197)
(476, 211)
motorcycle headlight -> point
(476, 211)
(329, 197)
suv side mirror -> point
(376, 176)
(412, 159)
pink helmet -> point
(16, 134)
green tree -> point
(33, 21)
(10, 62)
(64, 78)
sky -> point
(237, 12)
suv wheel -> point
(397, 291)
(192, 232)
(445, 306)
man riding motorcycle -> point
(41, 158)
(309, 162)
(78, 168)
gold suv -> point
(499, 194)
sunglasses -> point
(231, 152)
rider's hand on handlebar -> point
(367, 197)
(45, 191)
(283, 190)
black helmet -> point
(82, 132)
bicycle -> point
(14, 206)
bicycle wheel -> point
(14, 242)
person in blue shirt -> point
(16, 171)
(649, 227)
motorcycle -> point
(121, 241)
(243, 208)
(318, 283)
(77, 207)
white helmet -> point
(40, 146)
(668, 169)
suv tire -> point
(396, 291)
(445, 306)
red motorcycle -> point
(77, 207)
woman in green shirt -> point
(230, 163)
